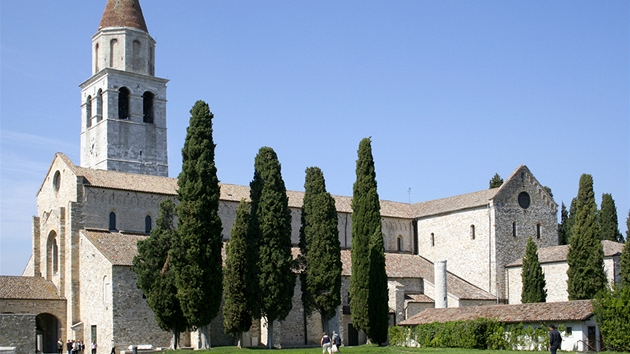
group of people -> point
(330, 345)
(74, 347)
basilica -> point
(452, 252)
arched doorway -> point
(48, 333)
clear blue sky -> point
(450, 92)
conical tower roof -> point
(123, 13)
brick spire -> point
(123, 13)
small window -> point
(57, 181)
(123, 103)
(538, 231)
(147, 224)
(147, 107)
(55, 257)
(99, 105)
(88, 110)
(112, 221)
(514, 229)
(399, 242)
(432, 239)
(568, 332)
(472, 232)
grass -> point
(364, 349)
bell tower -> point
(123, 104)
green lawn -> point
(354, 350)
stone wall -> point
(18, 331)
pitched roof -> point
(579, 310)
(559, 253)
(123, 13)
(27, 288)
(456, 203)
(401, 265)
(119, 248)
(418, 298)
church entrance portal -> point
(48, 333)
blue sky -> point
(450, 92)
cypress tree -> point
(570, 220)
(320, 249)
(608, 221)
(271, 222)
(586, 254)
(368, 260)
(624, 265)
(532, 275)
(496, 181)
(197, 255)
(237, 318)
(155, 275)
(562, 226)
(627, 227)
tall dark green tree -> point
(533, 279)
(496, 181)
(627, 227)
(624, 265)
(197, 255)
(562, 226)
(368, 281)
(237, 317)
(608, 222)
(271, 222)
(586, 254)
(320, 249)
(155, 275)
(571, 220)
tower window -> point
(88, 110)
(96, 53)
(99, 105)
(112, 221)
(113, 49)
(123, 103)
(538, 231)
(147, 224)
(147, 107)
(472, 232)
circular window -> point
(523, 200)
(57, 181)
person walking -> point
(555, 340)
(325, 343)
(93, 347)
(69, 346)
(336, 341)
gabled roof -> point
(559, 253)
(401, 265)
(123, 13)
(456, 203)
(27, 288)
(546, 312)
(119, 248)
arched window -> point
(57, 181)
(55, 257)
(472, 232)
(432, 239)
(96, 53)
(52, 255)
(123, 103)
(147, 224)
(113, 48)
(399, 244)
(99, 105)
(147, 107)
(88, 111)
(112, 221)
(136, 59)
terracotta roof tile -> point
(537, 312)
(450, 204)
(400, 265)
(420, 298)
(559, 253)
(123, 13)
(118, 248)
(27, 288)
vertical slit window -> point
(513, 229)
(472, 232)
(123, 103)
(538, 231)
(147, 107)
(399, 241)
(88, 110)
(432, 239)
(147, 224)
(99, 104)
(112, 221)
